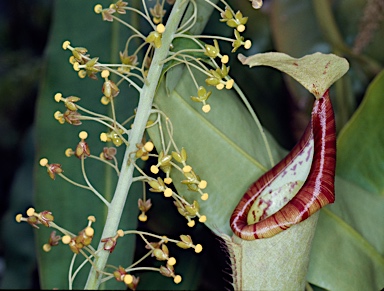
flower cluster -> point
(83, 239)
(81, 244)
(175, 163)
(216, 76)
(171, 160)
(45, 218)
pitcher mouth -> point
(290, 201)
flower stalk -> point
(143, 111)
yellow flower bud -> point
(43, 162)
(198, 248)
(191, 223)
(19, 217)
(66, 239)
(160, 28)
(171, 261)
(66, 44)
(46, 247)
(168, 192)
(177, 279)
(206, 108)
(154, 169)
(98, 8)
(58, 97)
(204, 196)
(31, 211)
(128, 279)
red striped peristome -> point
(317, 190)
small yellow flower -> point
(52, 169)
(216, 77)
(202, 96)
(108, 153)
(110, 242)
(157, 12)
(133, 284)
(144, 206)
(128, 62)
(240, 42)
(119, 6)
(212, 51)
(82, 149)
(114, 136)
(59, 117)
(235, 21)
(144, 150)
(110, 89)
(155, 36)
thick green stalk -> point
(143, 112)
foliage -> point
(347, 250)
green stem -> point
(108, 188)
(143, 111)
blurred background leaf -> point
(24, 28)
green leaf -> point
(172, 66)
(316, 72)
(76, 21)
(204, 11)
(360, 143)
(217, 150)
(348, 247)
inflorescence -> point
(81, 244)
(135, 61)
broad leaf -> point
(347, 251)
(361, 142)
(217, 150)
(203, 14)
